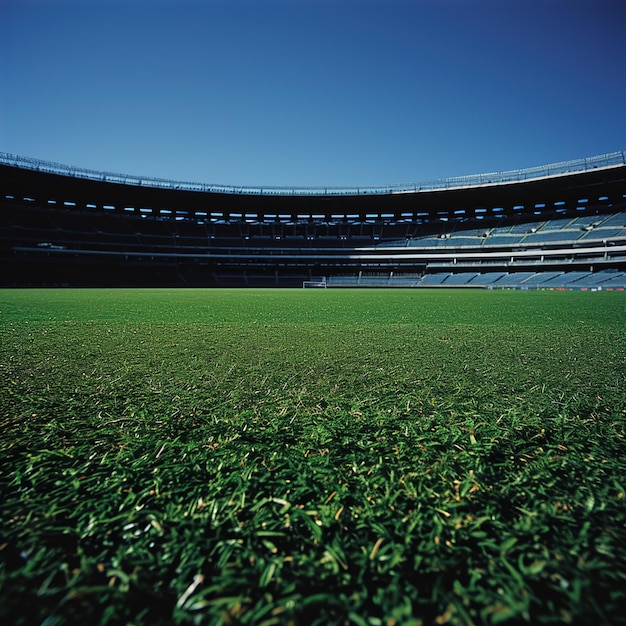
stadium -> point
(558, 226)
(451, 451)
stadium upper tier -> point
(560, 187)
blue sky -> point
(311, 92)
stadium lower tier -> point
(141, 274)
(48, 263)
(608, 280)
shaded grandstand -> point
(560, 226)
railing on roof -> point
(611, 159)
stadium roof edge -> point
(577, 166)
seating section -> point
(618, 219)
(133, 233)
(488, 278)
(562, 231)
(505, 240)
(546, 236)
(605, 279)
(462, 279)
(542, 279)
(615, 282)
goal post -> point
(319, 283)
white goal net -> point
(314, 284)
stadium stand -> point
(552, 227)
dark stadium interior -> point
(535, 229)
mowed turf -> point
(312, 456)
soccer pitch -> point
(377, 457)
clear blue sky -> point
(311, 92)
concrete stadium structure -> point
(556, 226)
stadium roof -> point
(577, 166)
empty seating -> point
(464, 278)
(616, 282)
(488, 278)
(552, 236)
(619, 219)
(541, 278)
(515, 279)
(601, 234)
(433, 279)
(504, 239)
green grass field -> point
(312, 456)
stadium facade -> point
(559, 226)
